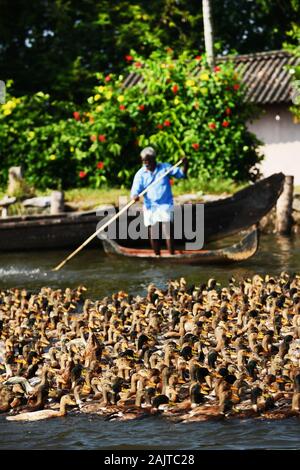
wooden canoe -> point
(222, 218)
(245, 208)
(240, 251)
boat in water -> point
(240, 251)
(222, 218)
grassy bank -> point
(88, 198)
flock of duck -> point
(188, 353)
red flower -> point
(76, 115)
(138, 65)
(141, 107)
(195, 146)
(101, 138)
(172, 181)
(107, 78)
(198, 57)
(122, 107)
(100, 165)
(227, 111)
(93, 138)
(159, 126)
(128, 58)
(217, 68)
(212, 125)
(167, 123)
(175, 88)
(82, 174)
(225, 123)
(236, 86)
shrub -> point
(180, 107)
(35, 133)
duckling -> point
(159, 400)
(170, 353)
(6, 398)
(28, 389)
(171, 391)
(165, 376)
(267, 341)
(296, 394)
(196, 395)
(251, 367)
(212, 357)
(45, 414)
(284, 346)
(256, 392)
(75, 374)
(201, 413)
(40, 396)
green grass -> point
(211, 186)
(88, 198)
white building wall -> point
(281, 137)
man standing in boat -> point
(158, 201)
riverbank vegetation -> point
(73, 121)
(89, 198)
(177, 104)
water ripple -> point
(82, 432)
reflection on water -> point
(102, 276)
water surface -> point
(103, 275)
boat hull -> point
(241, 251)
(222, 218)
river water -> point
(103, 276)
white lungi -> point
(161, 214)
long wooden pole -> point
(100, 229)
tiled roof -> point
(265, 75)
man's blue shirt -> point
(160, 194)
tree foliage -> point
(56, 46)
(181, 107)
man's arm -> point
(137, 187)
(181, 173)
(185, 166)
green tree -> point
(56, 46)
(200, 115)
(253, 25)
